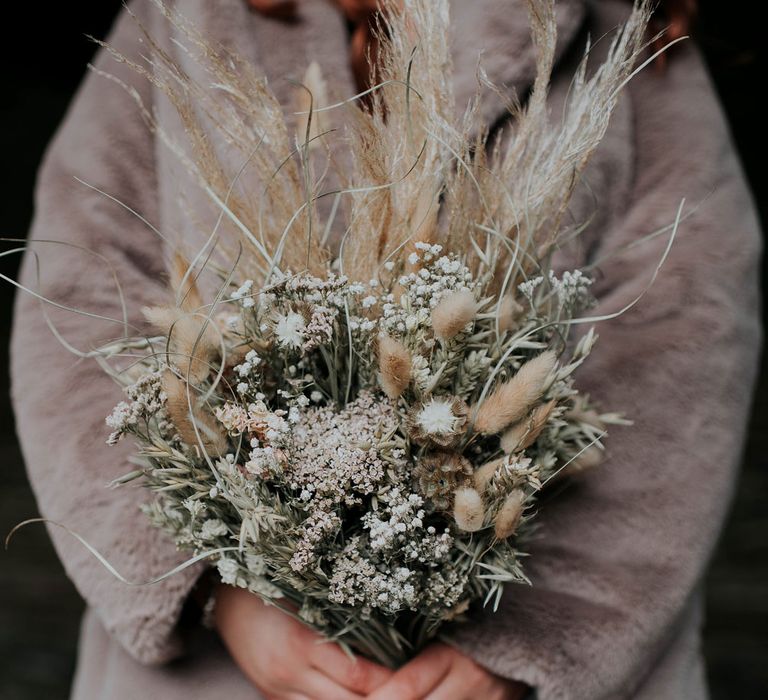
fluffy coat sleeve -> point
(61, 400)
(621, 552)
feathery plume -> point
(192, 339)
(512, 400)
(523, 434)
(311, 95)
(184, 284)
(468, 509)
(482, 476)
(394, 366)
(509, 515)
(212, 433)
(452, 314)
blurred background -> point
(44, 54)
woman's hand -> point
(283, 658)
(440, 672)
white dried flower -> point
(441, 420)
(289, 329)
(213, 528)
(436, 417)
(229, 570)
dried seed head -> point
(394, 366)
(484, 474)
(452, 314)
(509, 515)
(468, 509)
(523, 434)
(439, 474)
(512, 400)
(440, 421)
(212, 433)
(509, 311)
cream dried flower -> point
(440, 421)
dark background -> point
(44, 53)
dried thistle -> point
(523, 434)
(452, 314)
(440, 421)
(394, 366)
(439, 474)
(509, 515)
(468, 509)
(513, 399)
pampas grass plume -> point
(394, 366)
(512, 400)
(508, 517)
(311, 96)
(468, 509)
(452, 314)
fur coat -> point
(615, 607)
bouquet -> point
(360, 435)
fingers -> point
(467, 680)
(460, 683)
(358, 675)
(318, 686)
(418, 677)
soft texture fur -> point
(614, 610)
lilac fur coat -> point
(615, 606)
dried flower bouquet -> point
(360, 435)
